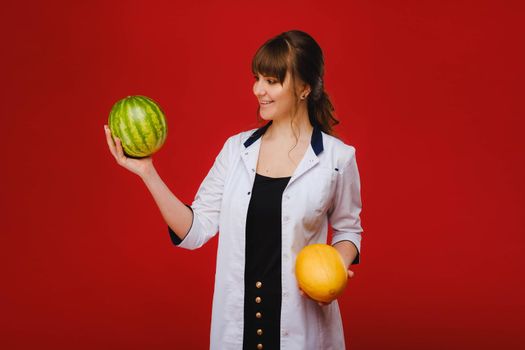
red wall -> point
(427, 92)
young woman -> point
(271, 191)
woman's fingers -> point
(320, 303)
(120, 153)
(115, 146)
(110, 142)
(351, 274)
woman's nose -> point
(258, 89)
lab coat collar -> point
(316, 140)
(250, 155)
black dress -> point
(262, 273)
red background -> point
(427, 92)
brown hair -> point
(297, 52)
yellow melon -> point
(321, 272)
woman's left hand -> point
(320, 303)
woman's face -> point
(276, 100)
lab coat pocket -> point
(318, 193)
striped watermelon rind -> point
(139, 122)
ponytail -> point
(320, 109)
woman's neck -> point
(283, 129)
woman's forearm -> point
(178, 217)
(347, 250)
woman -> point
(271, 191)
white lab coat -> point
(324, 189)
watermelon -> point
(140, 124)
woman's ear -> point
(305, 91)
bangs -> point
(272, 59)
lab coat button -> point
(258, 300)
(258, 315)
(259, 346)
(258, 284)
(259, 331)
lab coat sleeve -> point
(344, 214)
(207, 204)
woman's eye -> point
(270, 81)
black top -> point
(262, 274)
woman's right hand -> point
(141, 166)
